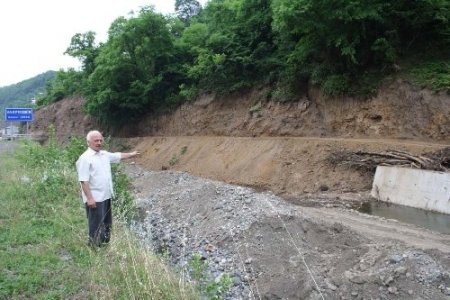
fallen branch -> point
(363, 160)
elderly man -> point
(94, 174)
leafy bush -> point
(336, 85)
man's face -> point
(95, 142)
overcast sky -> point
(34, 34)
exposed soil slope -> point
(290, 166)
(399, 111)
(250, 140)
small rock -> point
(395, 259)
(392, 290)
(388, 280)
(400, 271)
(330, 285)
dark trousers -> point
(99, 223)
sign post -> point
(19, 115)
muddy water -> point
(426, 219)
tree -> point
(233, 44)
(187, 9)
(83, 47)
(134, 71)
(65, 84)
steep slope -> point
(400, 111)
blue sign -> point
(19, 114)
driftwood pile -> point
(368, 161)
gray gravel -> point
(272, 249)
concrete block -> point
(429, 190)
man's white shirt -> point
(95, 168)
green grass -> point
(433, 74)
(43, 236)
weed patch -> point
(43, 236)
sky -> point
(35, 34)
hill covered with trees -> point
(153, 63)
(20, 94)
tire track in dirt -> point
(383, 229)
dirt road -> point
(383, 229)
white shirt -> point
(95, 168)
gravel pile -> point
(272, 249)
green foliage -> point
(40, 248)
(175, 159)
(283, 93)
(83, 47)
(74, 148)
(183, 150)
(188, 93)
(73, 83)
(124, 200)
(336, 85)
(43, 249)
(151, 63)
(236, 46)
(135, 70)
(352, 39)
(213, 289)
(434, 74)
(255, 108)
(65, 84)
(20, 94)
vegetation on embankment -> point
(153, 62)
(43, 243)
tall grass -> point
(43, 235)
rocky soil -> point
(273, 249)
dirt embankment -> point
(399, 111)
(291, 167)
(250, 140)
(67, 117)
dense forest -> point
(20, 94)
(153, 62)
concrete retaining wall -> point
(423, 189)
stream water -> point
(426, 219)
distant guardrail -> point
(17, 136)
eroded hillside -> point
(249, 140)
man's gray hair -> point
(91, 133)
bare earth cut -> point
(245, 183)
